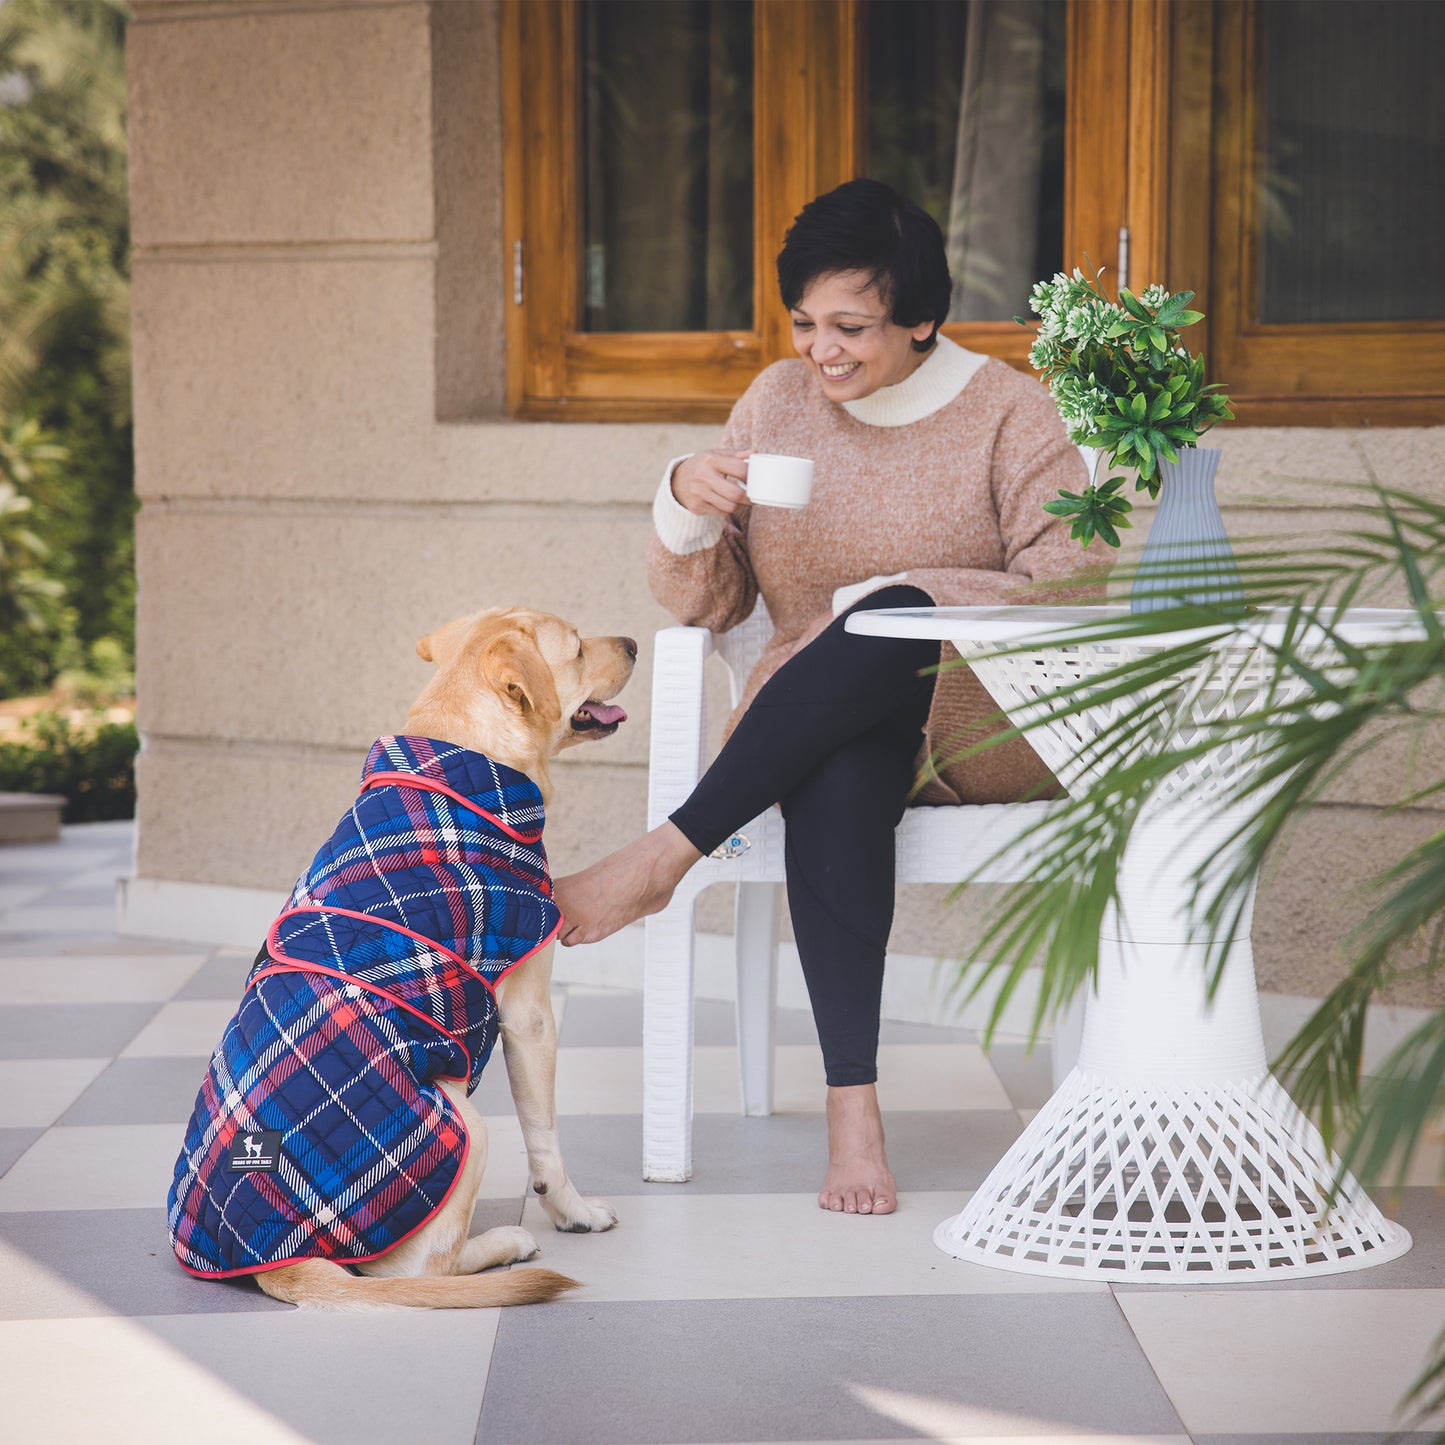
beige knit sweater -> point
(941, 478)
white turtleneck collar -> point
(943, 373)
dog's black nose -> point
(629, 645)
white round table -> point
(1169, 1153)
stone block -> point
(298, 625)
(246, 817)
(30, 817)
(283, 378)
(291, 378)
(280, 125)
(1407, 459)
(1314, 896)
(253, 816)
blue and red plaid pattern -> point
(376, 981)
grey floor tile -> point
(894, 1032)
(386, 1377)
(813, 1369)
(70, 1031)
(1314, 1438)
(1422, 1211)
(122, 1259)
(140, 1091)
(494, 1094)
(1027, 1077)
(13, 1143)
(223, 976)
(88, 894)
(787, 1153)
(27, 943)
(596, 1020)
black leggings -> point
(831, 737)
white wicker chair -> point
(935, 845)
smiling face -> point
(843, 329)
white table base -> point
(1169, 1153)
(1183, 1184)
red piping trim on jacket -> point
(291, 965)
(490, 984)
(274, 947)
(415, 780)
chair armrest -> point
(679, 718)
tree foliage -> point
(65, 423)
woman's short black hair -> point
(865, 225)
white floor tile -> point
(507, 1175)
(234, 1378)
(34, 1093)
(94, 1167)
(115, 979)
(911, 1076)
(189, 1029)
(136, 1388)
(772, 1246)
(1286, 1361)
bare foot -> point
(858, 1180)
(624, 886)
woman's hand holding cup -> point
(710, 483)
(717, 483)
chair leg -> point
(667, 1041)
(755, 937)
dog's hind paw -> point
(511, 1237)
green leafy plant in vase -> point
(1129, 389)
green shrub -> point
(93, 766)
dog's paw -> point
(592, 1217)
(511, 1237)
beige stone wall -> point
(326, 473)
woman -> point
(932, 467)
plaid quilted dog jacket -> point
(319, 1129)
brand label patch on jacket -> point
(258, 1149)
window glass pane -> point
(964, 113)
(667, 160)
(1350, 200)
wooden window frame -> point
(1357, 373)
(806, 140)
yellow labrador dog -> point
(333, 1154)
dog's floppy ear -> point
(423, 648)
(514, 666)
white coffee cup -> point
(777, 481)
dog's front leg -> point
(529, 1043)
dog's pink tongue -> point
(606, 713)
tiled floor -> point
(728, 1309)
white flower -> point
(1078, 402)
(1154, 296)
(1090, 321)
(1046, 353)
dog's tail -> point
(323, 1284)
